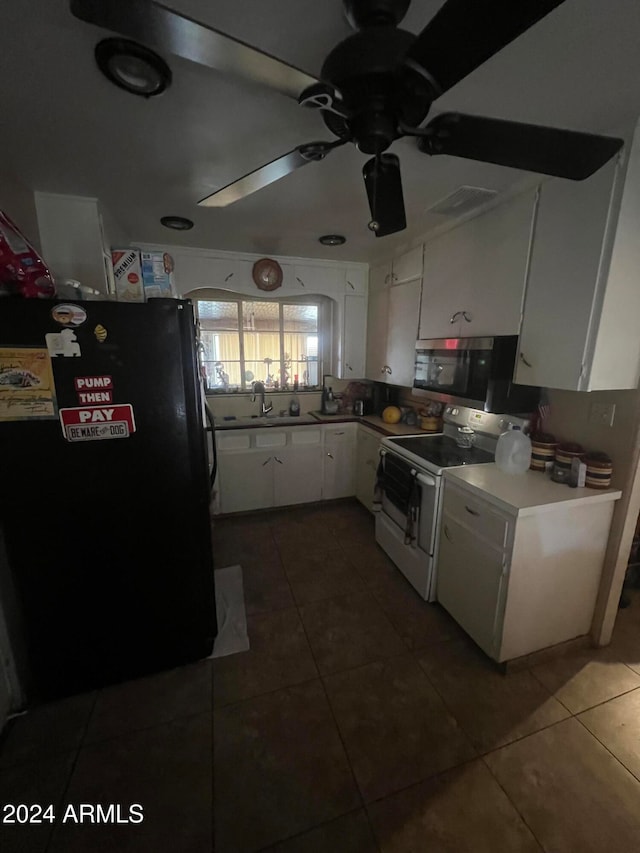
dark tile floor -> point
(362, 719)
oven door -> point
(413, 554)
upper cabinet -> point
(475, 274)
(312, 279)
(392, 323)
(580, 325)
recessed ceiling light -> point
(332, 239)
(132, 67)
(178, 223)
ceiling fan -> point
(376, 86)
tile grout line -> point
(595, 736)
(513, 804)
(72, 769)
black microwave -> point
(476, 372)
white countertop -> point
(524, 494)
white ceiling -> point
(66, 129)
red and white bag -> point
(22, 270)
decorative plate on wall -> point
(267, 274)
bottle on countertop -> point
(330, 394)
(513, 451)
(294, 405)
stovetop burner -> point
(442, 451)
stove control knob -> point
(455, 412)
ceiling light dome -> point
(132, 67)
(332, 239)
(178, 223)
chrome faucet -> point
(258, 388)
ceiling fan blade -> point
(549, 150)
(465, 33)
(270, 173)
(383, 182)
(156, 25)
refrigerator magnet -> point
(27, 391)
(63, 344)
(69, 315)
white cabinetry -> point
(521, 578)
(580, 326)
(392, 324)
(339, 461)
(319, 279)
(475, 274)
(367, 460)
(354, 336)
(407, 267)
(297, 473)
(402, 331)
(245, 479)
(377, 320)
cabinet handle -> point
(339, 433)
(349, 367)
(467, 317)
(524, 360)
(300, 281)
(330, 455)
(386, 369)
(267, 460)
(447, 534)
(279, 461)
(455, 316)
(471, 511)
(231, 275)
(387, 277)
(350, 285)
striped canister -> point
(566, 453)
(599, 470)
(543, 451)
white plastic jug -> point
(513, 453)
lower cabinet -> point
(339, 476)
(522, 580)
(246, 480)
(297, 475)
(367, 460)
(258, 469)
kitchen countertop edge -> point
(311, 418)
(512, 492)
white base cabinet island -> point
(520, 558)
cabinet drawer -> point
(477, 515)
(312, 435)
(340, 434)
(233, 440)
(270, 438)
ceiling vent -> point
(462, 201)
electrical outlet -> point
(602, 414)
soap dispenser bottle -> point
(294, 405)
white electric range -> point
(408, 524)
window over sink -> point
(268, 340)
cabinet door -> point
(446, 263)
(470, 583)
(407, 266)
(404, 303)
(339, 475)
(228, 273)
(297, 474)
(377, 311)
(367, 459)
(563, 278)
(356, 281)
(498, 251)
(246, 480)
(312, 279)
(354, 337)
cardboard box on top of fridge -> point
(157, 274)
(127, 271)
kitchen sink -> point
(267, 420)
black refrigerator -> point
(106, 567)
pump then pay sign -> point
(97, 423)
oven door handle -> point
(426, 480)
